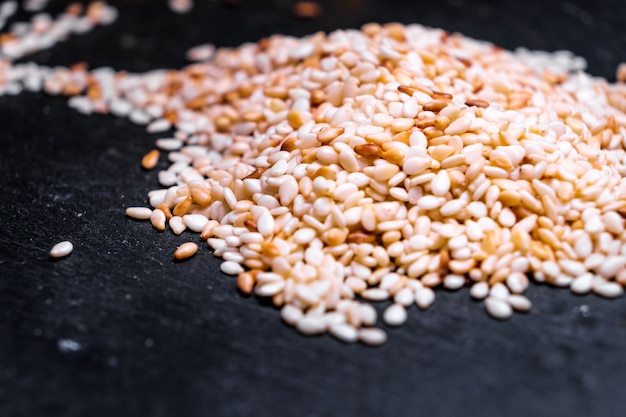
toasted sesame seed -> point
(186, 250)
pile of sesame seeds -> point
(335, 170)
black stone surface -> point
(119, 329)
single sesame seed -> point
(186, 250)
(61, 249)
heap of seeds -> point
(379, 164)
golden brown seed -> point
(477, 103)
(317, 97)
(403, 137)
(278, 299)
(222, 124)
(245, 90)
(407, 89)
(254, 263)
(394, 156)
(183, 207)
(289, 144)
(328, 134)
(335, 236)
(307, 10)
(361, 237)
(295, 119)
(245, 283)
(423, 124)
(620, 74)
(250, 224)
(269, 249)
(442, 122)
(253, 116)
(150, 159)
(256, 174)
(166, 210)
(368, 151)
(200, 196)
(231, 96)
(371, 29)
(395, 31)
(435, 105)
(443, 95)
(196, 103)
(276, 92)
(186, 250)
(74, 9)
(326, 172)
(431, 133)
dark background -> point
(119, 329)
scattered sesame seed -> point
(61, 249)
(363, 176)
(186, 250)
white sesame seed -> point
(395, 315)
(61, 249)
(517, 282)
(375, 294)
(405, 297)
(424, 297)
(158, 219)
(344, 333)
(453, 282)
(498, 308)
(231, 268)
(611, 265)
(139, 213)
(479, 290)
(519, 302)
(265, 290)
(177, 225)
(367, 314)
(582, 284)
(499, 291)
(607, 289)
(291, 314)
(372, 336)
(311, 325)
(195, 222)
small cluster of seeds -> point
(379, 164)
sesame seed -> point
(186, 250)
(395, 315)
(344, 333)
(498, 308)
(372, 336)
(365, 166)
(61, 249)
(139, 213)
